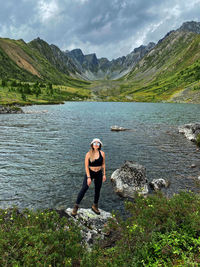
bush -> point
(159, 232)
(198, 139)
(41, 238)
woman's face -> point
(96, 145)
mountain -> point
(190, 26)
(94, 69)
(36, 61)
(170, 71)
(166, 71)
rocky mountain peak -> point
(92, 58)
(142, 48)
(76, 52)
(191, 26)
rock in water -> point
(91, 224)
(6, 109)
(129, 179)
(157, 184)
(118, 128)
(190, 131)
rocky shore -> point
(6, 109)
(191, 131)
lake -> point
(42, 152)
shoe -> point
(95, 208)
(75, 209)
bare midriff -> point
(95, 169)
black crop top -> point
(97, 162)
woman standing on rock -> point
(94, 169)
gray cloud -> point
(111, 28)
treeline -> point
(27, 88)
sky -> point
(109, 28)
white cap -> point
(96, 140)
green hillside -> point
(21, 64)
(30, 64)
(170, 72)
(25, 93)
(173, 66)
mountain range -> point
(154, 72)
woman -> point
(94, 169)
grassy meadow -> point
(27, 93)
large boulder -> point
(129, 179)
(190, 131)
(91, 224)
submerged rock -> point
(190, 131)
(129, 179)
(157, 184)
(91, 224)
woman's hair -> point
(92, 148)
(92, 152)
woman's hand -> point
(104, 178)
(89, 181)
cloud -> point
(47, 10)
(110, 28)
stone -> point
(190, 131)
(129, 179)
(10, 109)
(91, 224)
(157, 184)
(118, 128)
(193, 166)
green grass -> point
(17, 95)
(38, 238)
(158, 232)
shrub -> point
(41, 238)
(198, 139)
(159, 232)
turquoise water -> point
(42, 152)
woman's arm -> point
(89, 181)
(104, 167)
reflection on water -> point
(42, 153)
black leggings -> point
(97, 176)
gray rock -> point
(129, 179)
(190, 131)
(193, 166)
(118, 128)
(10, 110)
(91, 224)
(157, 184)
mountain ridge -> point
(148, 73)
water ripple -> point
(42, 153)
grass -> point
(158, 232)
(18, 94)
